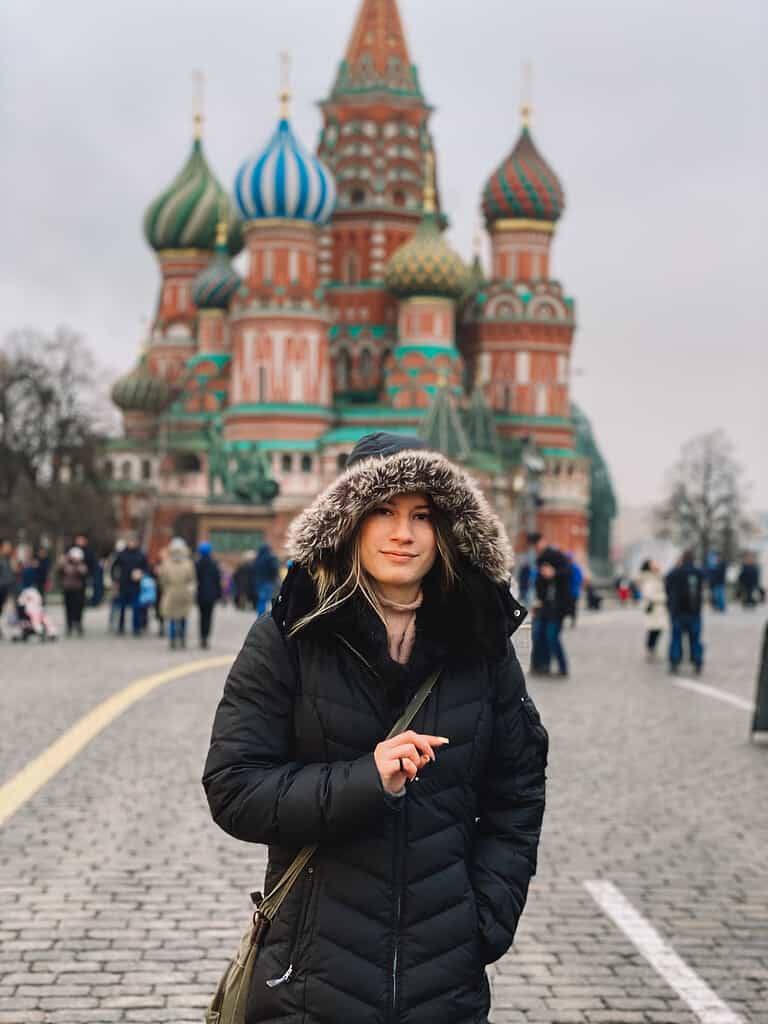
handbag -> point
(229, 999)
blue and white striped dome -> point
(285, 180)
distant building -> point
(353, 315)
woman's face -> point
(397, 541)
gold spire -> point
(429, 202)
(198, 95)
(526, 90)
(285, 86)
(221, 232)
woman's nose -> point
(402, 529)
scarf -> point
(401, 626)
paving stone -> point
(121, 901)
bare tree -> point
(705, 506)
(52, 427)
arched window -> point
(399, 198)
(109, 469)
(126, 470)
(342, 370)
(286, 462)
(357, 196)
(306, 463)
(366, 364)
(351, 269)
(146, 469)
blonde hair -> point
(333, 591)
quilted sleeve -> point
(511, 807)
(256, 790)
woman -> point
(177, 576)
(654, 598)
(73, 573)
(426, 842)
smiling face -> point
(398, 545)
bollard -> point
(760, 720)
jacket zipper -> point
(398, 865)
(398, 873)
(300, 926)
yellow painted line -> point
(42, 769)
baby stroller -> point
(32, 619)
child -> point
(147, 597)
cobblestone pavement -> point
(120, 900)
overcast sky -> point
(652, 113)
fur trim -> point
(332, 518)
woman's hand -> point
(403, 757)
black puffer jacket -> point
(407, 899)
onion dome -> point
(140, 391)
(524, 186)
(217, 283)
(426, 264)
(285, 180)
(185, 215)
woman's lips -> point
(397, 556)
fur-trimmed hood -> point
(321, 530)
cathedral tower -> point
(280, 387)
(375, 136)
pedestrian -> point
(91, 563)
(685, 587)
(594, 597)
(177, 574)
(265, 573)
(243, 581)
(7, 577)
(73, 574)
(43, 571)
(424, 847)
(147, 597)
(208, 588)
(654, 597)
(717, 570)
(748, 582)
(127, 570)
(576, 581)
(553, 603)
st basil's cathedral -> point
(353, 314)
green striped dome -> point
(185, 215)
(139, 391)
(426, 265)
(523, 186)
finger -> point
(405, 750)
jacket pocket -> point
(302, 917)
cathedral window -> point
(268, 264)
(351, 269)
(399, 198)
(109, 469)
(146, 469)
(562, 369)
(293, 266)
(286, 462)
(366, 365)
(306, 463)
(357, 196)
(542, 400)
(341, 461)
(126, 470)
(342, 370)
(523, 367)
(296, 383)
(262, 384)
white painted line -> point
(712, 691)
(693, 990)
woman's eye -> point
(382, 512)
(424, 516)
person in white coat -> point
(654, 597)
